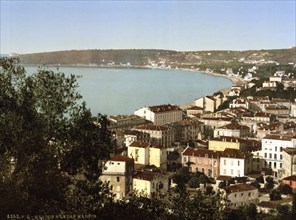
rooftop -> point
(290, 178)
(139, 144)
(239, 188)
(152, 127)
(164, 108)
(201, 152)
(121, 158)
(235, 153)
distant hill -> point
(215, 60)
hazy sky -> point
(38, 26)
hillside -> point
(217, 61)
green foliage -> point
(285, 189)
(46, 138)
(269, 183)
(194, 182)
(275, 195)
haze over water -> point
(114, 91)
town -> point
(238, 144)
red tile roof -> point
(239, 188)
(139, 144)
(234, 126)
(121, 158)
(201, 152)
(290, 178)
(235, 153)
(164, 108)
(149, 176)
(152, 127)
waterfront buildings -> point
(160, 114)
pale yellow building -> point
(221, 143)
(149, 183)
(139, 151)
(158, 157)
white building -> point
(232, 130)
(160, 114)
(234, 163)
(240, 103)
(241, 194)
(272, 150)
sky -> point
(44, 26)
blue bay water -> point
(114, 91)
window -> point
(242, 194)
(274, 156)
(281, 157)
(238, 162)
(270, 156)
(232, 163)
(118, 179)
(274, 164)
(235, 195)
(281, 149)
(224, 162)
(265, 155)
(231, 171)
(249, 194)
(281, 165)
(275, 148)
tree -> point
(194, 182)
(269, 183)
(275, 195)
(285, 189)
(46, 139)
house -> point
(272, 150)
(290, 180)
(234, 163)
(147, 154)
(241, 194)
(210, 123)
(139, 151)
(223, 142)
(208, 103)
(159, 135)
(150, 183)
(187, 130)
(239, 103)
(232, 130)
(125, 121)
(160, 114)
(202, 160)
(289, 162)
(278, 110)
(132, 135)
(158, 157)
(263, 129)
(194, 110)
(118, 171)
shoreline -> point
(235, 80)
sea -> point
(117, 91)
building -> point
(232, 130)
(118, 171)
(290, 180)
(194, 110)
(160, 114)
(132, 135)
(150, 183)
(208, 103)
(241, 194)
(235, 163)
(159, 135)
(202, 160)
(278, 110)
(125, 121)
(139, 151)
(239, 103)
(158, 157)
(223, 142)
(210, 123)
(187, 130)
(272, 150)
(289, 162)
